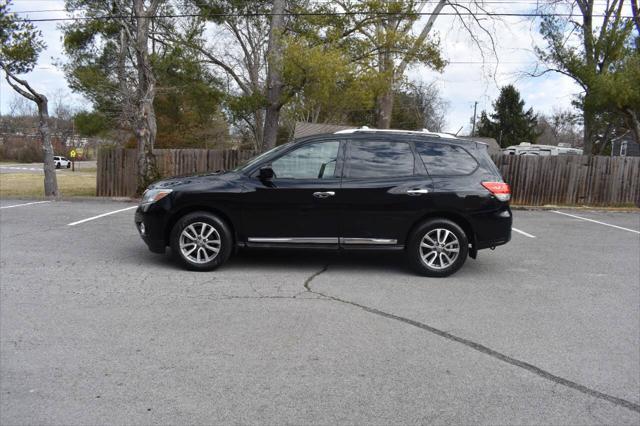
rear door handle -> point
(419, 191)
(324, 194)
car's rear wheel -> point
(201, 241)
(438, 248)
(57, 165)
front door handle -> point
(419, 191)
(324, 194)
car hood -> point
(188, 181)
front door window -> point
(313, 161)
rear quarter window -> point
(446, 160)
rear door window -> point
(379, 159)
(446, 160)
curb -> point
(579, 208)
(72, 198)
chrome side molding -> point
(377, 241)
(295, 240)
(324, 240)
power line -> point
(501, 2)
(303, 14)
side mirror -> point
(266, 173)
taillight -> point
(499, 189)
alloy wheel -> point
(439, 248)
(200, 242)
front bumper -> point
(150, 226)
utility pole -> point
(473, 128)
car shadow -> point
(274, 260)
(371, 260)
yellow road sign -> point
(72, 154)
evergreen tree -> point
(509, 124)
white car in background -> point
(61, 162)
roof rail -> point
(425, 132)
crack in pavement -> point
(480, 348)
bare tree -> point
(20, 106)
(111, 64)
(636, 14)
(587, 47)
(20, 46)
(135, 32)
(274, 75)
(561, 126)
(247, 50)
(390, 37)
(62, 117)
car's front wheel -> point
(438, 248)
(201, 241)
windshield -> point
(259, 158)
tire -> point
(189, 230)
(68, 165)
(444, 236)
(57, 165)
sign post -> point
(73, 155)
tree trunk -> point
(50, 179)
(384, 109)
(146, 136)
(634, 123)
(272, 118)
(274, 76)
(384, 100)
(587, 34)
(146, 128)
(588, 119)
(259, 129)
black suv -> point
(438, 198)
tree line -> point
(160, 72)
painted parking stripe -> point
(526, 234)
(20, 168)
(100, 215)
(596, 221)
(24, 204)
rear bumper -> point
(493, 228)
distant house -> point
(492, 145)
(625, 147)
(309, 129)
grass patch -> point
(32, 184)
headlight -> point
(152, 195)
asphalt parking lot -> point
(95, 329)
(6, 168)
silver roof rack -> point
(424, 132)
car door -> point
(297, 206)
(385, 189)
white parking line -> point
(25, 204)
(596, 221)
(100, 215)
(523, 233)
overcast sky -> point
(464, 81)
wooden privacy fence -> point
(571, 180)
(535, 181)
(117, 168)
